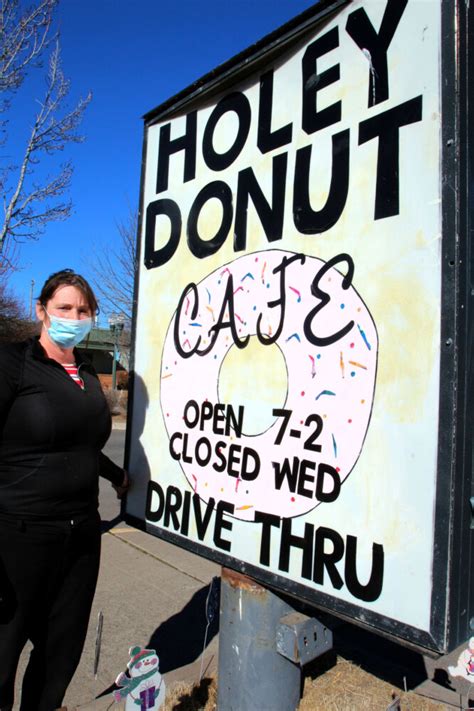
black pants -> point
(48, 574)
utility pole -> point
(31, 298)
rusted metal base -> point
(253, 673)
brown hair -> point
(68, 277)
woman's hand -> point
(124, 487)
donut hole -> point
(256, 378)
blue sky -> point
(132, 56)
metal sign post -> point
(263, 643)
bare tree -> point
(113, 270)
(14, 325)
(9, 260)
(28, 203)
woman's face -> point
(66, 302)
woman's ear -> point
(40, 311)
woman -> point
(54, 421)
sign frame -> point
(452, 601)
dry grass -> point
(344, 687)
(197, 697)
(347, 687)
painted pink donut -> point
(304, 456)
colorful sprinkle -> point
(293, 335)
(225, 270)
(195, 323)
(249, 274)
(196, 482)
(240, 319)
(334, 445)
(341, 363)
(324, 392)
(313, 370)
(296, 292)
(263, 273)
(209, 308)
(187, 307)
(239, 288)
(166, 376)
(358, 365)
(187, 341)
(243, 508)
(364, 338)
(208, 295)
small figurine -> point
(144, 689)
(465, 665)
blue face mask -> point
(68, 332)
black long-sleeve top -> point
(51, 436)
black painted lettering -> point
(267, 521)
(285, 471)
(326, 560)
(238, 103)
(305, 478)
(312, 119)
(191, 413)
(267, 139)
(202, 521)
(309, 221)
(289, 540)
(233, 424)
(156, 257)
(173, 503)
(221, 465)
(203, 451)
(218, 417)
(206, 413)
(205, 247)
(190, 288)
(372, 589)
(281, 301)
(173, 449)
(227, 305)
(168, 146)
(250, 456)
(324, 471)
(154, 496)
(271, 216)
(185, 514)
(234, 459)
(186, 458)
(324, 298)
(386, 126)
(375, 46)
(222, 523)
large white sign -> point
(286, 399)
